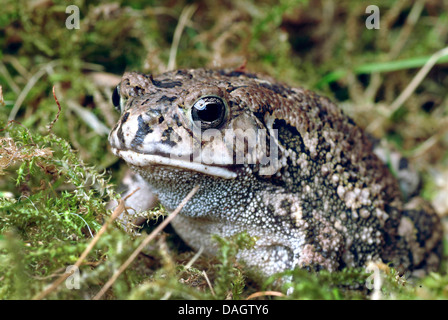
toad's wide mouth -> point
(144, 160)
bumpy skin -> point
(328, 202)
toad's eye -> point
(116, 98)
(210, 111)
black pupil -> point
(116, 97)
(209, 110)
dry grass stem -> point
(208, 282)
(50, 126)
(265, 293)
(185, 16)
(33, 80)
(418, 79)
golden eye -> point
(210, 111)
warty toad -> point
(282, 163)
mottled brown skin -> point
(329, 202)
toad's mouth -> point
(145, 160)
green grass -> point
(378, 67)
(55, 184)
